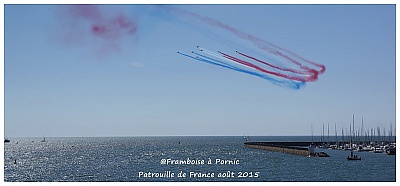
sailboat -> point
(44, 139)
(352, 156)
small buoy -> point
(15, 161)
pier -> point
(296, 148)
(303, 147)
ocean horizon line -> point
(125, 136)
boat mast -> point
(336, 136)
(328, 134)
(351, 139)
(342, 135)
(362, 126)
(384, 135)
(353, 132)
(312, 135)
(390, 132)
(323, 133)
(371, 136)
(378, 130)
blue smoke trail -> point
(209, 60)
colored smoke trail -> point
(251, 65)
(303, 72)
(213, 61)
(101, 24)
(109, 26)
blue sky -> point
(137, 85)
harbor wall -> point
(304, 143)
(283, 149)
(285, 143)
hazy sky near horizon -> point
(65, 77)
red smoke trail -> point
(273, 66)
(114, 28)
(263, 70)
(98, 23)
(102, 25)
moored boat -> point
(391, 151)
(353, 157)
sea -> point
(183, 159)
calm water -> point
(137, 158)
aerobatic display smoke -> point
(272, 63)
(285, 76)
(108, 27)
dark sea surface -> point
(144, 159)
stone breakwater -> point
(296, 148)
